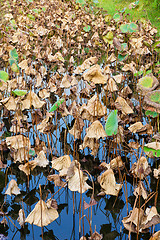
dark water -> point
(107, 215)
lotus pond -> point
(79, 127)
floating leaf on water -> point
(56, 105)
(111, 126)
(4, 76)
(19, 92)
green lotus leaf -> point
(124, 28)
(155, 97)
(122, 57)
(87, 28)
(108, 38)
(11, 61)
(19, 92)
(4, 76)
(31, 17)
(156, 153)
(133, 27)
(13, 54)
(156, 46)
(111, 125)
(15, 67)
(129, 28)
(108, 18)
(32, 152)
(151, 114)
(117, 17)
(81, 1)
(146, 82)
(38, 11)
(56, 105)
(13, 23)
(124, 47)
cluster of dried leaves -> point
(57, 46)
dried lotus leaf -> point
(61, 164)
(94, 74)
(151, 218)
(32, 100)
(108, 183)
(10, 103)
(27, 167)
(126, 109)
(141, 168)
(17, 142)
(140, 190)
(133, 220)
(41, 159)
(76, 178)
(95, 107)
(21, 217)
(12, 188)
(41, 215)
(92, 143)
(136, 127)
(147, 83)
(96, 130)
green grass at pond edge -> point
(148, 9)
